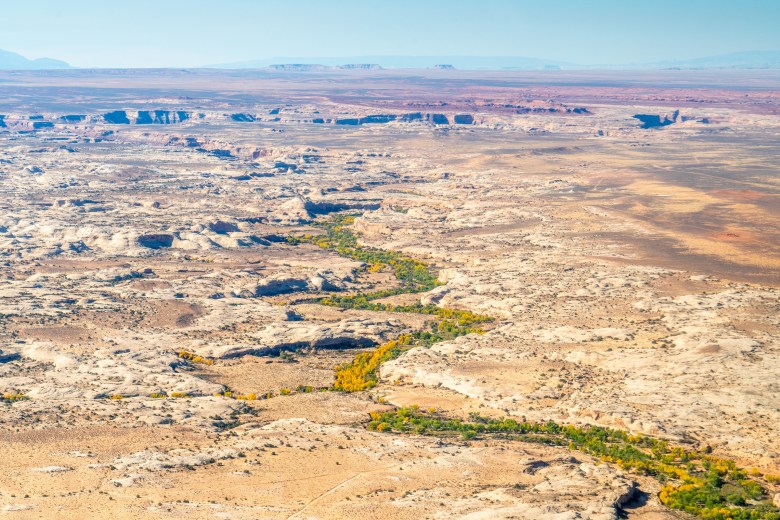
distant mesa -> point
(315, 67)
(414, 116)
(653, 120)
(656, 120)
(118, 117)
(380, 118)
(554, 109)
(361, 66)
(377, 62)
(146, 117)
(160, 117)
(297, 67)
(354, 121)
(37, 121)
(436, 119)
(73, 118)
(383, 118)
(739, 60)
(661, 120)
(12, 60)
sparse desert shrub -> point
(194, 358)
(286, 356)
(13, 397)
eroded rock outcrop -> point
(156, 240)
(661, 120)
(275, 287)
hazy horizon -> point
(182, 33)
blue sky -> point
(156, 33)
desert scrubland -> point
(257, 294)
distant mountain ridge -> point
(12, 60)
(737, 60)
(405, 62)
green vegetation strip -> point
(694, 481)
(414, 277)
(361, 373)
